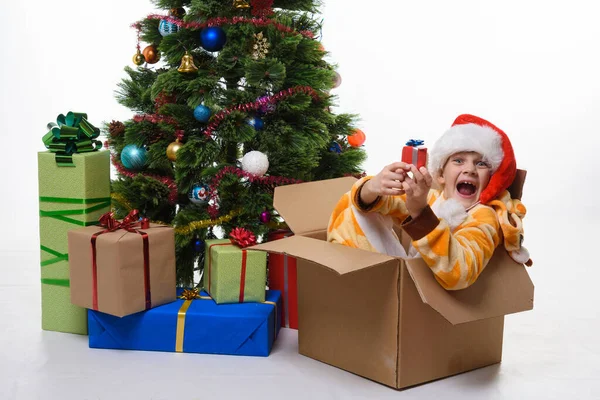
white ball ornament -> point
(255, 163)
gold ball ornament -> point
(177, 12)
(172, 150)
(138, 58)
(151, 54)
(240, 4)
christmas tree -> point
(231, 99)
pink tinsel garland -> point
(263, 101)
(169, 182)
(155, 119)
(213, 210)
(226, 21)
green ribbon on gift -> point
(60, 214)
(96, 204)
(70, 135)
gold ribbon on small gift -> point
(193, 294)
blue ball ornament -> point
(166, 28)
(256, 122)
(213, 38)
(198, 245)
(335, 147)
(133, 157)
(202, 113)
(198, 194)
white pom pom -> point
(452, 211)
(255, 163)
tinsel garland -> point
(218, 118)
(185, 229)
(155, 119)
(261, 180)
(219, 21)
(192, 226)
(169, 182)
(262, 102)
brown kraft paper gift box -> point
(120, 269)
(387, 318)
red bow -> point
(109, 222)
(242, 237)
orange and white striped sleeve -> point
(344, 227)
(455, 258)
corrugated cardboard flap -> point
(338, 258)
(306, 207)
(504, 287)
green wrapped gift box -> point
(234, 275)
(70, 197)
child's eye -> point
(483, 164)
(458, 160)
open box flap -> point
(338, 258)
(504, 287)
(306, 207)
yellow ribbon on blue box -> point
(193, 324)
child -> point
(456, 229)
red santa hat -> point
(471, 133)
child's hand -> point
(417, 190)
(387, 182)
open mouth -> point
(466, 189)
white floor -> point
(551, 352)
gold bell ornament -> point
(240, 4)
(187, 64)
(172, 150)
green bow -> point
(73, 134)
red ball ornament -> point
(357, 138)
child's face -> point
(464, 177)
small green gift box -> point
(234, 274)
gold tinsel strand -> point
(192, 226)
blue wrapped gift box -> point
(246, 329)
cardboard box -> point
(122, 285)
(386, 318)
(70, 197)
(195, 326)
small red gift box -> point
(414, 152)
(282, 277)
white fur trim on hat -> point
(466, 137)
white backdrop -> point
(408, 68)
